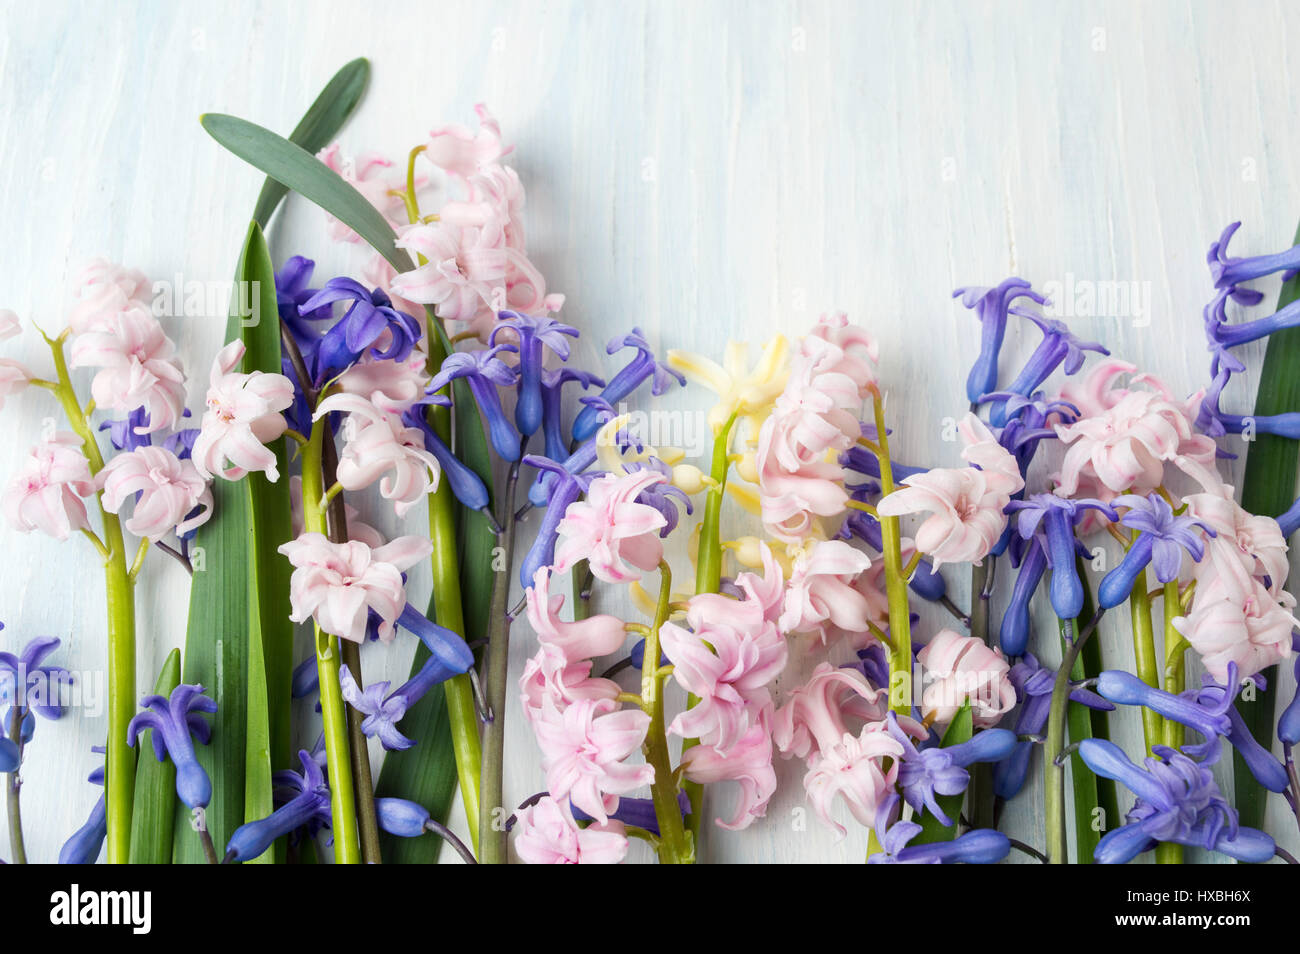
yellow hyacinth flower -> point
(742, 391)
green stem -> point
(1144, 651)
(494, 849)
(980, 796)
(333, 715)
(675, 842)
(900, 624)
(15, 785)
(119, 591)
(368, 820)
(1054, 774)
(1168, 853)
(708, 577)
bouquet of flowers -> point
(442, 376)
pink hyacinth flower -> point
(546, 834)
(14, 377)
(1235, 619)
(860, 769)
(357, 529)
(391, 386)
(965, 507)
(748, 762)
(822, 597)
(380, 447)
(726, 659)
(169, 489)
(461, 151)
(339, 583)
(460, 273)
(618, 537)
(560, 672)
(583, 749)
(46, 492)
(103, 291)
(371, 176)
(768, 590)
(814, 715)
(139, 367)
(958, 668)
(243, 415)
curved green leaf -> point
(318, 127)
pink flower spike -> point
(1237, 620)
(463, 152)
(339, 583)
(822, 595)
(590, 638)
(243, 415)
(10, 326)
(391, 386)
(748, 762)
(813, 716)
(768, 590)
(546, 834)
(169, 489)
(461, 273)
(370, 175)
(380, 447)
(965, 507)
(958, 668)
(583, 749)
(46, 492)
(727, 658)
(104, 290)
(855, 769)
(139, 367)
(616, 535)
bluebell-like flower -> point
(369, 315)
(863, 460)
(991, 306)
(173, 722)
(1060, 347)
(1215, 422)
(1215, 697)
(1013, 634)
(536, 333)
(1162, 539)
(467, 486)
(1029, 420)
(401, 817)
(42, 686)
(485, 372)
(583, 456)
(293, 290)
(1177, 801)
(1033, 684)
(1229, 272)
(87, 841)
(636, 812)
(384, 711)
(124, 433)
(1288, 724)
(9, 754)
(305, 799)
(567, 488)
(642, 366)
(553, 382)
(1210, 721)
(665, 498)
(1223, 334)
(1056, 516)
(982, 846)
(1289, 522)
(936, 770)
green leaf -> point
(1090, 791)
(959, 730)
(299, 170)
(154, 810)
(1269, 487)
(225, 627)
(318, 127)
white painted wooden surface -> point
(707, 170)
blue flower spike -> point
(176, 722)
(1162, 539)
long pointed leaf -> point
(318, 127)
(959, 730)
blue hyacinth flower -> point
(176, 722)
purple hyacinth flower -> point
(1060, 347)
(1289, 522)
(467, 486)
(84, 846)
(642, 366)
(1177, 801)
(553, 381)
(636, 812)
(583, 456)
(567, 488)
(401, 817)
(1229, 272)
(863, 460)
(536, 334)
(1211, 721)
(991, 306)
(9, 754)
(1215, 422)
(306, 804)
(982, 846)
(126, 433)
(1215, 697)
(1288, 725)
(485, 373)
(1057, 516)
(1223, 335)
(369, 315)
(42, 686)
(926, 773)
(1162, 539)
(292, 290)
(665, 498)
(1029, 420)
(173, 722)
(1013, 635)
(384, 711)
